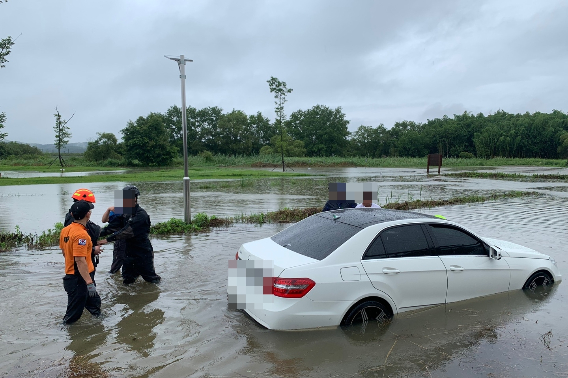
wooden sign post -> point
(433, 160)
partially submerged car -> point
(356, 265)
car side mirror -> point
(494, 254)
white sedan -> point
(355, 265)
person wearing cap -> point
(133, 227)
(92, 228)
(79, 280)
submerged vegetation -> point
(203, 222)
(10, 240)
(509, 176)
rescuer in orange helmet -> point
(93, 229)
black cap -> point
(80, 208)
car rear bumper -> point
(301, 313)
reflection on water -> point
(183, 327)
(37, 208)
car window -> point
(404, 241)
(316, 237)
(376, 250)
(453, 241)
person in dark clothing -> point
(79, 280)
(92, 229)
(338, 197)
(119, 249)
(133, 226)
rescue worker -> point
(133, 227)
(79, 280)
(92, 229)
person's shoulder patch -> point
(82, 241)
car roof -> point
(362, 217)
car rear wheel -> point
(538, 279)
(369, 311)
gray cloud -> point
(380, 61)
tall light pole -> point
(186, 201)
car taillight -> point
(292, 287)
(237, 256)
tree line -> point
(322, 131)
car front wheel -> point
(365, 312)
(542, 279)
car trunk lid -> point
(268, 250)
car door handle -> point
(390, 271)
(456, 268)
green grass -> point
(421, 204)
(76, 162)
(156, 175)
(508, 176)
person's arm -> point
(106, 215)
(81, 262)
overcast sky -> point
(381, 61)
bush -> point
(466, 155)
(207, 156)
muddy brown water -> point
(183, 327)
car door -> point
(401, 263)
(471, 272)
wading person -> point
(79, 280)
(119, 247)
(133, 228)
(92, 229)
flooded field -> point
(183, 327)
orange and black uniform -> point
(75, 241)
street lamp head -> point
(178, 58)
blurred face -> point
(129, 202)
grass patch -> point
(157, 175)
(509, 176)
(420, 204)
(11, 240)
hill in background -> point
(71, 148)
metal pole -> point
(186, 181)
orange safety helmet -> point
(84, 194)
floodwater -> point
(183, 327)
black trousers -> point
(78, 298)
(118, 255)
(139, 262)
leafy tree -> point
(280, 91)
(5, 50)
(62, 134)
(207, 126)
(234, 134)
(174, 125)
(104, 147)
(284, 144)
(261, 130)
(147, 141)
(18, 149)
(323, 130)
(369, 141)
(2, 120)
(563, 147)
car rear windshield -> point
(316, 236)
